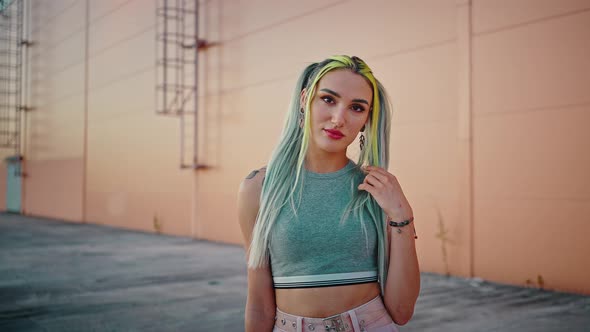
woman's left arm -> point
(402, 286)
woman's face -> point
(339, 109)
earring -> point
(362, 138)
(301, 117)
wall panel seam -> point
(113, 10)
(427, 122)
(123, 40)
(508, 112)
(531, 22)
(102, 50)
(414, 49)
(66, 67)
(481, 197)
(49, 47)
(282, 22)
(122, 78)
(98, 87)
(62, 98)
(61, 12)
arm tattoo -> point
(252, 174)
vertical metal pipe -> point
(180, 48)
(26, 97)
(17, 82)
(179, 68)
(4, 87)
(18, 78)
(182, 136)
(27, 72)
(85, 132)
(196, 90)
(164, 58)
(157, 58)
(180, 71)
(465, 121)
(5, 105)
(471, 147)
(175, 42)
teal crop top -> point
(314, 249)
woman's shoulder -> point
(255, 178)
(251, 186)
(257, 173)
(249, 200)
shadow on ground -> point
(62, 276)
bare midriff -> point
(322, 302)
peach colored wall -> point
(53, 188)
(531, 111)
(53, 150)
(490, 98)
(133, 155)
(127, 173)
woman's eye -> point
(328, 99)
(358, 108)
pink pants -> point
(369, 317)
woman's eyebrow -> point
(338, 95)
(330, 91)
(360, 101)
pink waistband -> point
(349, 321)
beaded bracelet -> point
(401, 224)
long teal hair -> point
(283, 178)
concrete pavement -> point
(62, 276)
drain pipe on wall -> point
(465, 121)
(85, 131)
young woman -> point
(330, 242)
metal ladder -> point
(13, 75)
(177, 63)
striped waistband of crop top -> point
(325, 280)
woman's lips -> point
(334, 134)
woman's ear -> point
(302, 98)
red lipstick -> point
(334, 134)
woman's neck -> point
(325, 163)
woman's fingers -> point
(379, 171)
(374, 180)
(366, 187)
(382, 175)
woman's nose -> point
(338, 115)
